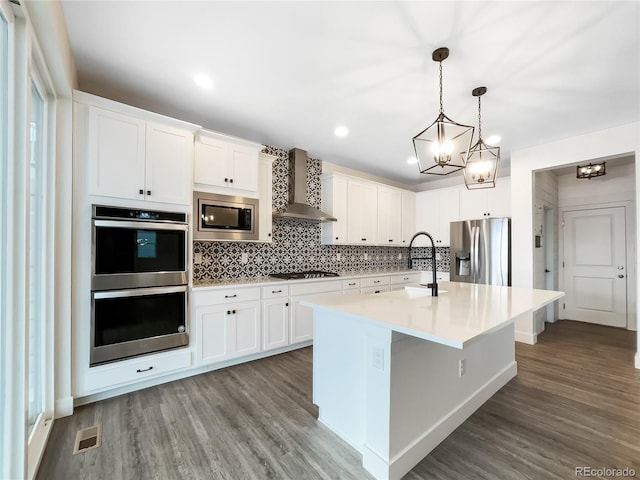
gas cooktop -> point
(308, 274)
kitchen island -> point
(395, 373)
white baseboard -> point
(63, 407)
(526, 337)
(402, 463)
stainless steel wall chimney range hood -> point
(298, 208)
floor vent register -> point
(88, 439)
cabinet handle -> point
(404, 241)
(377, 291)
(276, 291)
(233, 311)
(140, 370)
(363, 239)
(286, 304)
(228, 312)
(141, 192)
(406, 278)
(376, 281)
(231, 180)
(148, 192)
(352, 284)
(226, 180)
(268, 234)
(231, 296)
(391, 240)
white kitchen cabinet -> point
(265, 196)
(226, 165)
(374, 290)
(334, 202)
(129, 157)
(486, 202)
(362, 216)
(407, 216)
(275, 317)
(302, 316)
(227, 331)
(435, 210)
(389, 207)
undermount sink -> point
(421, 291)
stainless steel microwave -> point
(224, 217)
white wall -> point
(604, 144)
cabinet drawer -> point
(370, 290)
(374, 281)
(317, 287)
(127, 371)
(405, 278)
(225, 295)
(349, 284)
(275, 291)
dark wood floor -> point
(575, 402)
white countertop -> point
(461, 313)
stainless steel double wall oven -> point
(139, 276)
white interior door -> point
(595, 270)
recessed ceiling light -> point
(412, 160)
(341, 131)
(493, 139)
(203, 81)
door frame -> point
(630, 243)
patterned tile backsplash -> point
(296, 244)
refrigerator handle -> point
(476, 246)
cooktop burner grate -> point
(307, 274)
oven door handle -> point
(138, 292)
(140, 225)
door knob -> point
(620, 276)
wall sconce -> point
(591, 170)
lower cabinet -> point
(301, 320)
(275, 323)
(227, 331)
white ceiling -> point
(287, 73)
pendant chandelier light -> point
(482, 159)
(591, 170)
(437, 146)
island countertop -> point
(459, 315)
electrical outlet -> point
(378, 358)
(244, 258)
(366, 256)
(338, 256)
(438, 256)
(399, 256)
(462, 367)
(197, 258)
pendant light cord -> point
(479, 121)
(441, 107)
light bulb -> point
(442, 151)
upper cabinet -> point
(435, 210)
(368, 213)
(486, 202)
(226, 165)
(265, 192)
(133, 154)
(389, 216)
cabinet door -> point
(214, 334)
(449, 211)
(362, 206)
(243, 168)
(211, 161)
(334, 201)
(408, 220)
(499, 199)
(473, 204)
(169, 160)
(389, 205)
(116, 154)
(369, 213)
(265, 196)
(427, 216)
(247, 329)
(275, 323)
(301, 321)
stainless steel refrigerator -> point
(481, 251)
